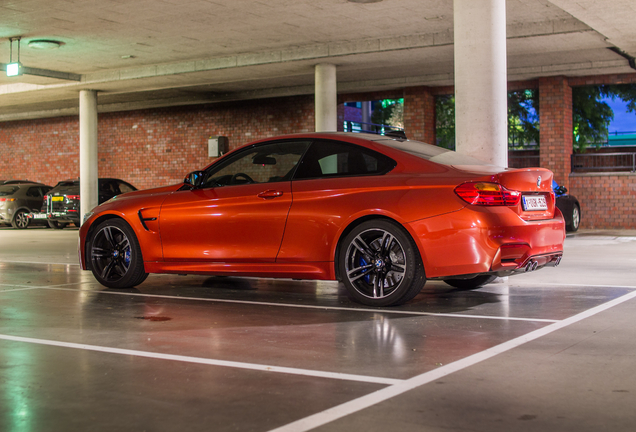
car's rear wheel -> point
(472, 283)
(20, 220)
(56, 225)
(576, 219)
(379, 264)
(115, 255)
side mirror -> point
(561, 190)
(194, 179)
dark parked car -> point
(18, 199)
(61, 205)
(569, 206)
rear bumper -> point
(487, 240)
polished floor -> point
(553, 350)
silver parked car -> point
(17, 200)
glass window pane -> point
(265, 163)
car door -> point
(239, 213)
(34, 198)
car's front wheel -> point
(20, 220)
(379, 264)
(115, 255)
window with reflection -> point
(267, 163)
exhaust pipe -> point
(531, 266)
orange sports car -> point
(380, 214)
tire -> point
(472, 283)
(20, 220)
(380, 265)
(56, 225)
(576, 219)
(115, 255)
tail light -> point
(73, 197)
(487, 194)
(7, 199)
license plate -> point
(57, 198)
(534, 203)
(38, 215)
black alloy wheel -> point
(115, 255)
(472, 283)
(20, 220)
(379, 264)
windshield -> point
(8, 190)
(432, 153)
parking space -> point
(551, 350)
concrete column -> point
(481, 100)
(326, 99)
(366, 115)
(88, 151)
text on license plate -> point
(535, 202)
(57, 198)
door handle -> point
(270, 194)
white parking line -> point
(382, 395)
(336, 308)
(206, 361)
(37, 262)
(572, 284)
(22, 288)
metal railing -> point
(353, 126)
(608, 162)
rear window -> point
(432, 153)
(8, 190)
(66, 187)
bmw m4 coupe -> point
(381, 215)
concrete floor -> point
(553, 350)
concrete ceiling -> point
(148, 53)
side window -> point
(125, 187)
(110, 188)
(34, 192)
(265, 163)
(338, 159)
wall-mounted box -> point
(218, 145)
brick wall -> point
(607, 200)
(555, 105)
(419, 114)
(148, 148)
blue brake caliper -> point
(362, 263)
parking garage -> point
(551, 350)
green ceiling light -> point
(14, 68)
